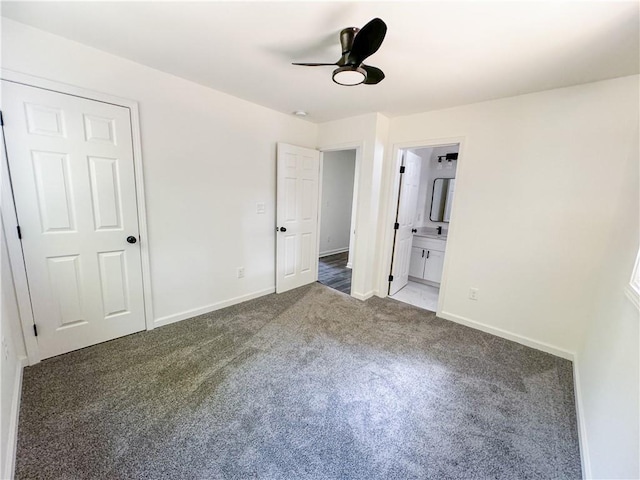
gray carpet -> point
(310, 384)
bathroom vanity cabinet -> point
(427, 258)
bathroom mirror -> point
(441, 199)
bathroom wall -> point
(430, 171)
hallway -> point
(333, 272)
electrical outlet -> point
(5, 348)
(240, 272)
(473, 293)
(329, 239)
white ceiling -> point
(436, 54)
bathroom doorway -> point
(338, 175)
(423, 217)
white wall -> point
(12, 356)
(338, 172)
(208, 159)
(532, 207)
(545, 224)
(607, 362)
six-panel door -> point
(297, 216)
(407, 204)
(71, 166)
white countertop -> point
(430, 232)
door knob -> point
(131, 239)
(283, 229)
(414, 230)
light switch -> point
(261, 208)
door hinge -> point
(391, 278)
(1, 119)
(19, 232)
(396, 226)
(402, 169)
(35, 329)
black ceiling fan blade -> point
(374, 75)
(315, 64)
(367, 41)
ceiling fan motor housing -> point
(347, 36)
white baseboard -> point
(349, 265)
(545, 347)
(361, 296)
(12, 438)
(425, 282)
(333, 252)
(582, 427)
(176, 317)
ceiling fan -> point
(357, 45)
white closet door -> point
(71, 166)
(297, 216)
(409, 185)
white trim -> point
(632, 290)
(15, 251)
(365, 296)
(635, 275)
(341, 146)
(498, 332)
(60, 87)
(177, 317)
(142, 215)
(12, 437)
(392, 199)
(319, 219)
(16, 263)
(582, 427)
(425, 282)
(633, 295)
(333, 252)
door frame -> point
(357, 146)
(10, 220)
(387, 252)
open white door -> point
(405, 218)
(296, 217)
(71, 166)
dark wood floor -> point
(333, 272)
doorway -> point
(337, 219)
(423, 217)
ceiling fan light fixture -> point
(349, 76)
